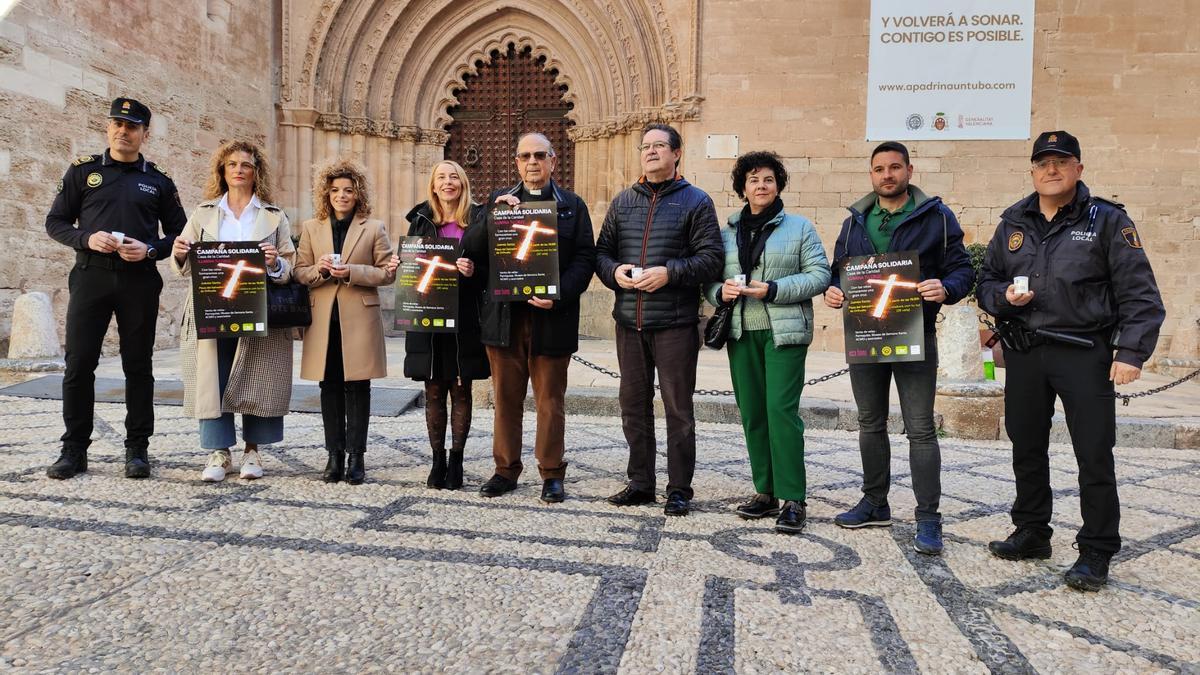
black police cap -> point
(131, 110)
(1057, 142)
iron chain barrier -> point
(702, 392)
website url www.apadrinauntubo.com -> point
(947, 86)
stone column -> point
(971, 407)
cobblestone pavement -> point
(287, 573)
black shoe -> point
(454, 470)
(552, 491)
(437, 474)
(137, 463)
(631, 497)
(1090, 571)
(677, 505)
(759, 506)
(335, 467)
(70, 463)
(356, 469)
(497, 485)
(791, 517)
(1020, 545)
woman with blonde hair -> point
(449, 362)
(344, 259)
(248, 375)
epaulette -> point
(1109, 202)
(84, 159)
(160, 170)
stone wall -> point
(204, 67)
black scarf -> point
(752, 234)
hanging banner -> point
(950, 70)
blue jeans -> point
(219, 433)
(916, 382)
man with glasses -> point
(898, 216)
(533, 341)
(659, 242)
(1091, 292)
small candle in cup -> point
(636, 273)
(335, 259)
(120, 237)
(1021, 285)
(739, 279)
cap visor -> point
(129, 118)
(1052, 151)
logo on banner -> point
(939, 121)
(914, 122)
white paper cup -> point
(636, 273)
(120, 237)
(739, 279)
(1021, 284)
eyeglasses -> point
(540, 156)
(656, 145)
(1056, 162)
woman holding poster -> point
(344, 258)
(248, 375)
(774, 265)
(449, 362)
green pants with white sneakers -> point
(767, 382)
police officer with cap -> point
(108, 209)
(1088, 321)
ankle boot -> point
(437, 474)
(356, 472)
(335, 467)
(454, 470)
(137, 463)
(70, 463)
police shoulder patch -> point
(83, 159)
(160, 170)
(1131, 237)
(94, 179)
(1015, 240)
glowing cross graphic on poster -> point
(432, 265)
(888, 284)
(531, 229)
(236, 274)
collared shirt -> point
(101, 194)
(235, 227)
(881, 223)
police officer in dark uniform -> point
(117, 191)
(1088, 321)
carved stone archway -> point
(375, 78)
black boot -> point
(356, 471)
(335, 467)
(137, 463)
(454, 470)
(437, 474)
(70, 463)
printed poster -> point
(882, 315)
(427, 285)
(523, 251)
(229, 289)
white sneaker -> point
(251, 465)
(218, 464)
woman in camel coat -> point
(247, 375)
(343, 349)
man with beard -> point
(898, 216)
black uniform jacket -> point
(1087, 270)
(102, 194)
(554, 331)
(676, 227)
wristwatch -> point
(151, 253)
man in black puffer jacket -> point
(660, 241)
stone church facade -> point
(401, 84)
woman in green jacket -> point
(774, 265)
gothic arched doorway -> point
(509, 96)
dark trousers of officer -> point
(101, 287)
(1079, 376)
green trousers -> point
(767, 382)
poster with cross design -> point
(882, 315)
(523, 252)
(229, 289)
(427, 285)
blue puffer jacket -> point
(794, 259)
(931, 230)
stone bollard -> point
(34, 332)
(970, 406)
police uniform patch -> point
(1131, 237)
(60, 185)
(83, 159)
(1015, 240)
(94, 179)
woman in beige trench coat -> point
(247, 375)
(344, 258)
